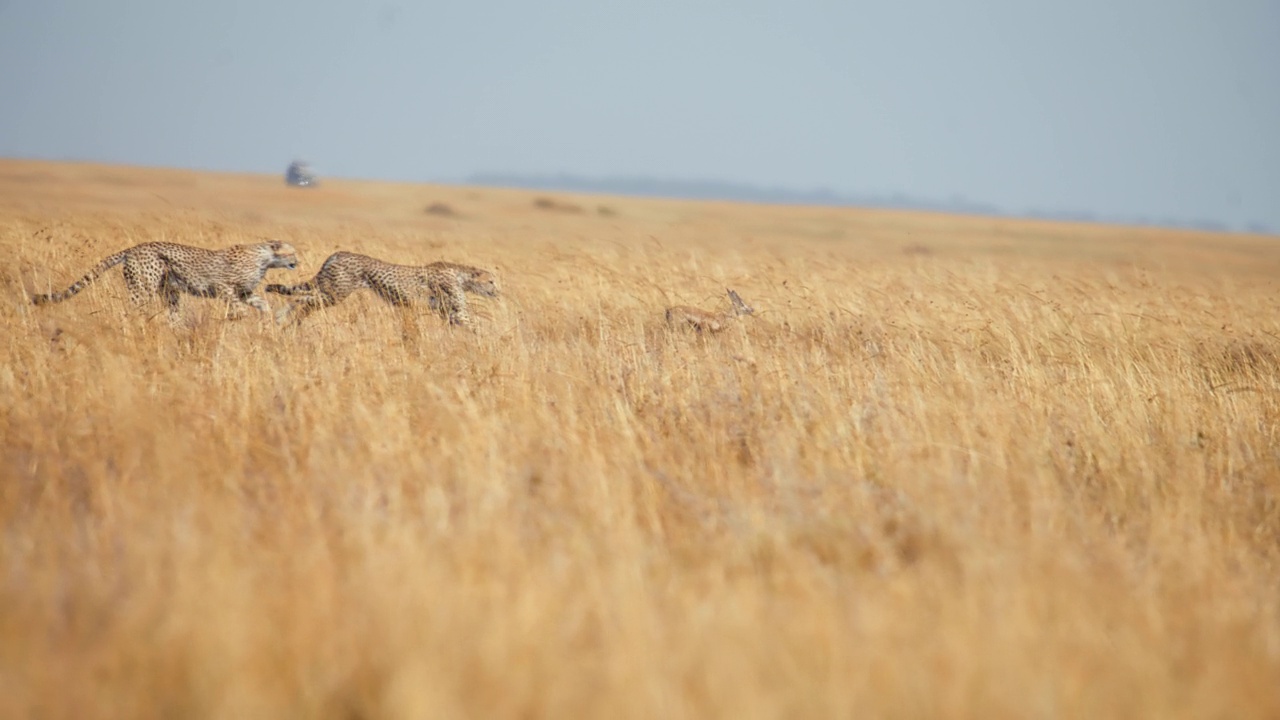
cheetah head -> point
(282, 255)
(481, 282)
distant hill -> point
(723, 190)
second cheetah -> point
(343, 273)
(169, 270)
(703, 321)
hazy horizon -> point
(1151, 110)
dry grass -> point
(954, 468)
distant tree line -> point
(744, 192)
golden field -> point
(952, 468)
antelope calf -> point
(703, 321)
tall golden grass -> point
(953, 467)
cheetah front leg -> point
(257, 302)
(451, 302)
(240, 297)
(295, 312)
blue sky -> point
(1137, 108)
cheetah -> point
(168, 270)
(703, 321)
(344, 272)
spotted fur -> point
(445, 284)
(170, 270)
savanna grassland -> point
(952, 468)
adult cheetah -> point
(343, 273)
(169, 270)
(703, 321)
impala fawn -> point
(703, 321)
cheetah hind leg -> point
(172, 296)
(144, 286)
(396, 298)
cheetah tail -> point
(82, 283)
(299, 289)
